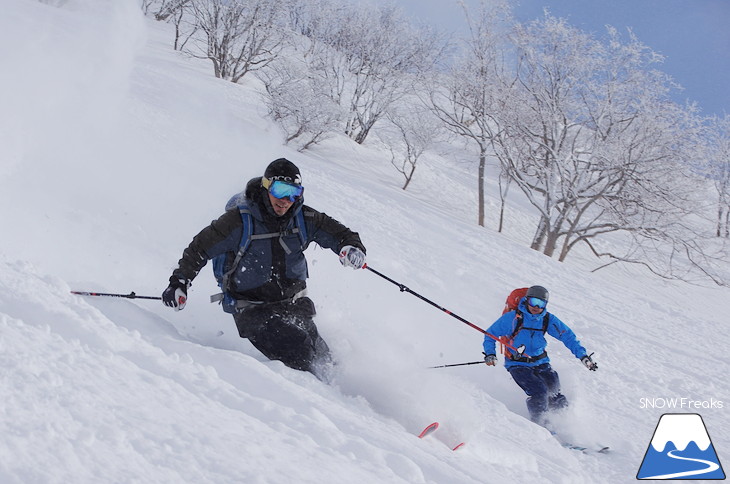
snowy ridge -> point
(102, 185)
(112, 402)
(680, 429)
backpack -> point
(512, 304)
(224, 265)
(513, 300)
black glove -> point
(490, 360)
(589, 363)
(176, 294)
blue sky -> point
(693, 35)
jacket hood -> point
(528, 319)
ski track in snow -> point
(109, 170)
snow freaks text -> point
(679, 403)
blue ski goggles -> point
(536, 302)
(281, 189)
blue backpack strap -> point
(219, 262)
(246, 236)
(301, 227)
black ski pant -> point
(286, 331)
(542, 386)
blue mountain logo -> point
(681, 449)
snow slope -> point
(115, 150)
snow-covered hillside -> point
(115, 151)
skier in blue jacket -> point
(530, 367)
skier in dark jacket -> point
(267, 286)
(526, 328)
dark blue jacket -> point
(266, 272)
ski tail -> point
(431, 428)
(428, 430)
(596, 449)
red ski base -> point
(431, 428)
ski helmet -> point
(283, 170)
(538, 292)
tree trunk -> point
(503, 200)
(567, 245)
(539, 235)
(409, 176)
(551, 242)
(501, 216)
(719, 220)
(482, 164)
(362, 134)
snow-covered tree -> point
(163, 9)
(598, 148)
(298, 103)
(239, 36)
(716, 168)
(366, 57)
(412, 130)
(469, 96)
(593, 132)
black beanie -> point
(283, 170)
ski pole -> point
(456, 316)
(458, 364)
(131, 295)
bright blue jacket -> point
(534, 341)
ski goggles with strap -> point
(536, 302)
(281, 189)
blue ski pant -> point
(542, 386)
